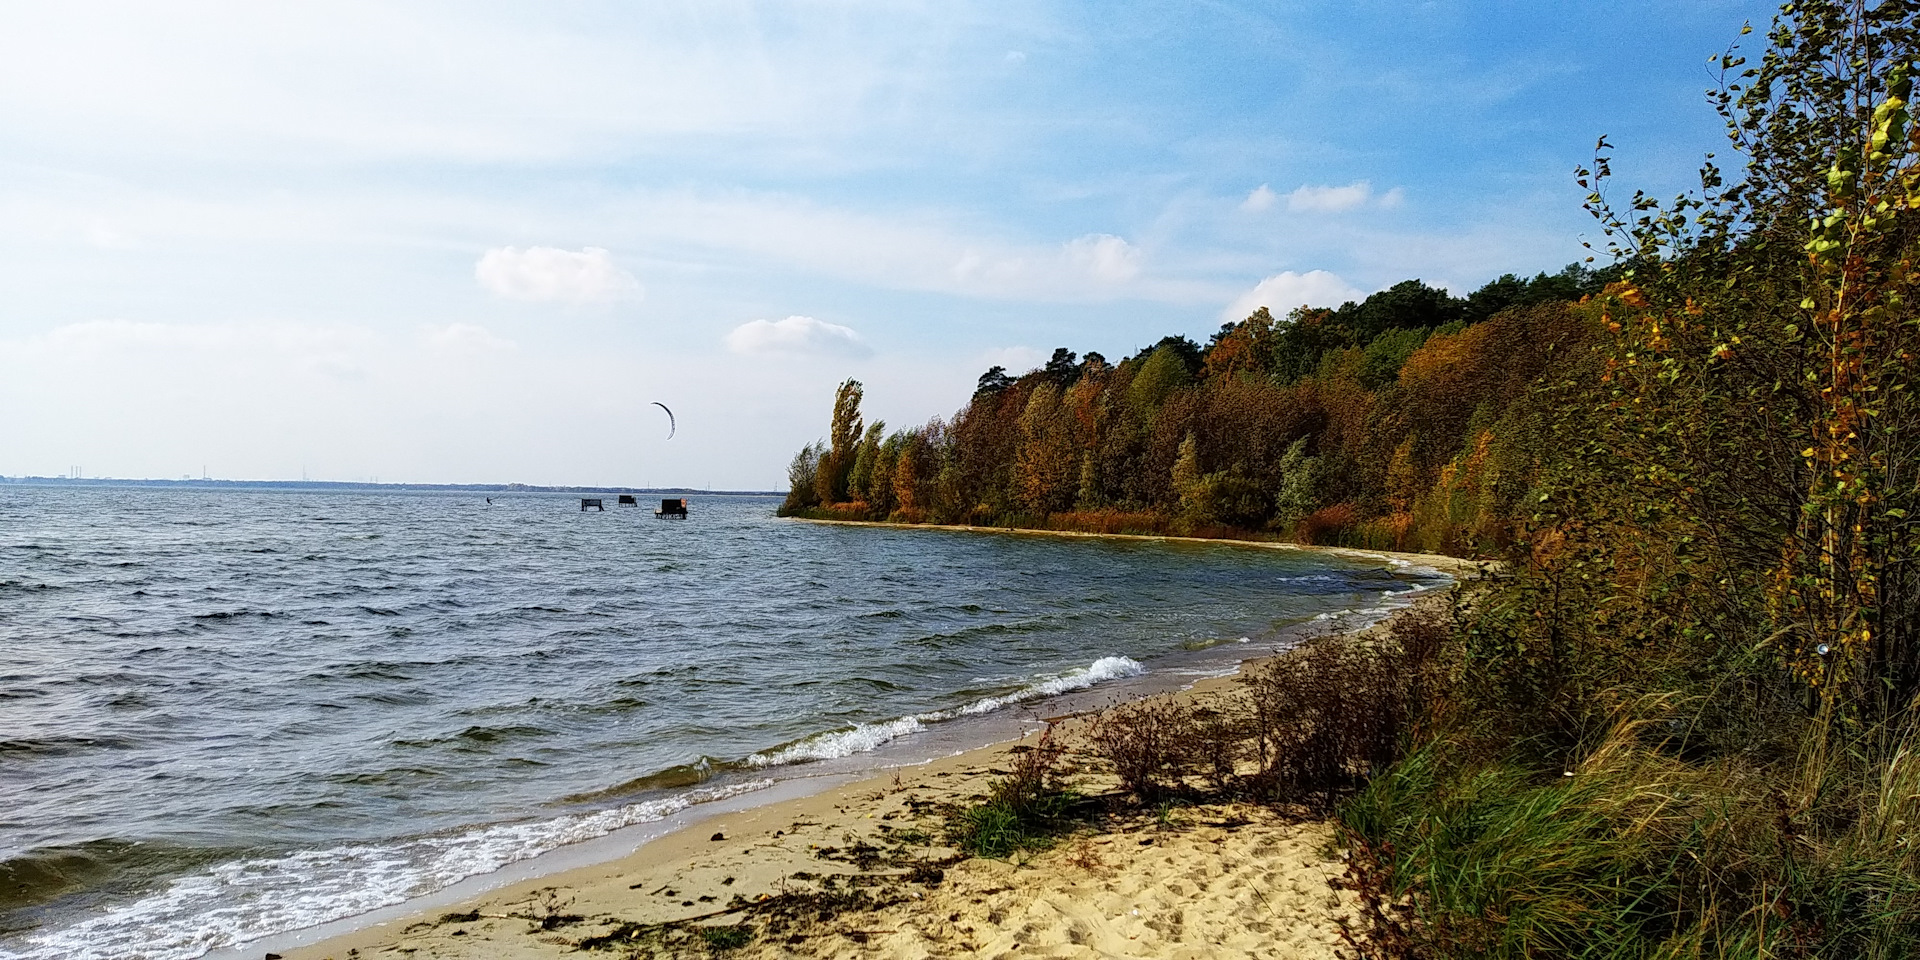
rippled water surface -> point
(225, 714)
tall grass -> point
(1633, 848)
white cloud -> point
(1393, 198)
(1090, 267)
(1262, 198)
(1104, 256)
(1321, 199)
(1284, 291)
(549, 273)
(797, 335)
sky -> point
(475, 242)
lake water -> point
(227, 714)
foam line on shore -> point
(867, 737)
(195, 914)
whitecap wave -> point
(243, 900)
(840, 743)
(1102, 670)
(866, 737)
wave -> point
(862, 738)
(867, 737)
(247, 899)
(1103, 669)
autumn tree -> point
(1163, 371)
(860, 479)
(801, 473)
(1772, 420)
(1244, 347)
(843, 439)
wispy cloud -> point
(913, 250)
(1096, 266)
(464, 337)
(1261, 199)
(1284, 291)
(797, 335)
(549, 273)
(1327, 199)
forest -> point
(1681, 720)
(1404, 421)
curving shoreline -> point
(1456, 567)
(774, 839)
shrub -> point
(1326, 525)
(1110, 521)
(1150, 745)
(1324, 718)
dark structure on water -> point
(594, 502)
(627, 500)
(676, 509)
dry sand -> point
(862, 871)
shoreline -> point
(1459, 568)
(759, 845)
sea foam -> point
(867, 737)
(241, 900)
(840, 743)
(1103, 669)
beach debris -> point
(717, 837)
(546, 909)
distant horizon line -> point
(366, 485)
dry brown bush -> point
(1149, 744)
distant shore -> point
(1242, 880)
(1457, 567)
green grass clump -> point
(726, 938)
(1024, 810)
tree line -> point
(1397, 421)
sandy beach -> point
(864, 870)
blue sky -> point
(472, 242)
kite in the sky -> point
(671, 426)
